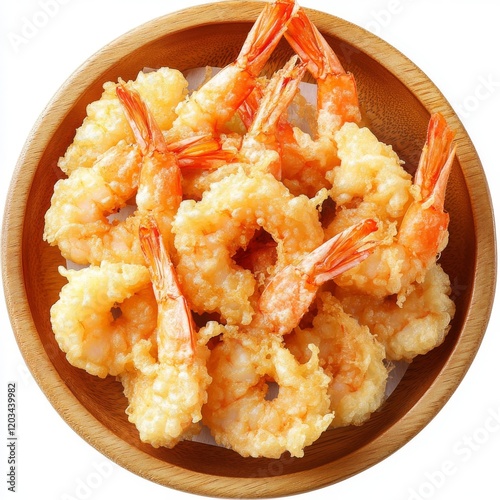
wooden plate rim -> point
(102, 438)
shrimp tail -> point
(340, 253)
(199, 151)
(265, 34)
(289, 294)
(165, 283)
(436, 161)
(263, 107)
(337, 92)
(278, 94)
(309, 44)
(146, 131)
(202, 152)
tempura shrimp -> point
(417, 326)
(208, 233)
(102, 312)
(413, 243)
(159, 190)
(77, 220)
(167, 388)
(209, 108)
(260, 147)
(290, 292)
(370, 179)
(239, 414)
(262, 138)
(350, 355)
(307, 158)
(105, 124)
(370, 182)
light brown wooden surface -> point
(398, 99)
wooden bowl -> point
(398, 99)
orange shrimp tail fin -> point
(201, 151)
(278, 95)
(164, 278)
(436, 161)
(289, 294)
(265, 34)
(310, 45)
(337, 94)
(341, 252)
(250, 105)
(265, 104)
(146, 131)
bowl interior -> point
(397, 113)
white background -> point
(456, 44)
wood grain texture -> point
(397, 99)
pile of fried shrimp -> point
(221, 249)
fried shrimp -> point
(350, 355)
(260, 146)
(370, 182)
(337, 94)
(307, 158)
(290, 292)
(208, 233)
(159, 191)
(417, 239)
(208, 109)
(106, 125)
(370, 178)
(167, 388)
(102, 312)
(249, 358)
(262, 136)
(78, 219)
(414, 328)
(256, 263)
(239, 414)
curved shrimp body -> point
(168, 386)
(102, 312)
(306, 158)
(350, 355)
(415, 239)
(208, 234)
(208, 109)
(78, 218)
(106, 124)
(290, 292)
(239, 414)
(417, 326)
(370, 178)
